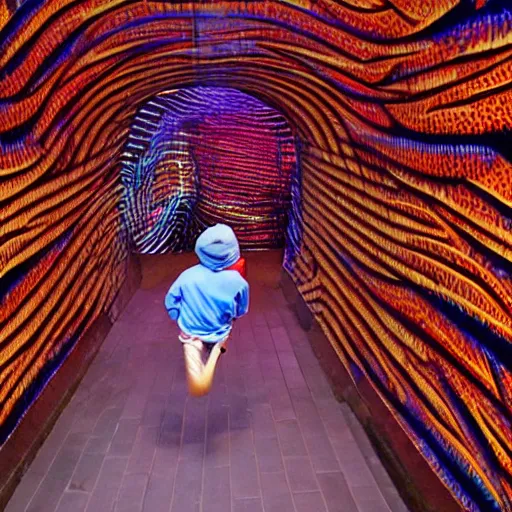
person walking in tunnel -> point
(205, 300)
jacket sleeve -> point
(242, 301)
(173, 300)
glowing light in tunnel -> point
(205, 155)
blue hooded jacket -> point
(205, 299)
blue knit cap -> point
(217, 247)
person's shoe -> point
(223, 347)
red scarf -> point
(240, 266)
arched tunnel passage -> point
(204, 155)
(402, 110)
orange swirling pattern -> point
(401, 237)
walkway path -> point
(269, 438)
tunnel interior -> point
(397, 204)
(205, 155)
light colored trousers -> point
(200, 374)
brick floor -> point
(269, 437)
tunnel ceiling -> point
(205, 155)
(399, 240)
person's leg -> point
(209, 368)
(200, 375)
(194, 366)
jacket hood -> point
(217, 247)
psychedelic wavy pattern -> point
(193, 158)
(402, 248)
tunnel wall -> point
(401, 245)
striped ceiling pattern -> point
(198, 156)
(400, 219)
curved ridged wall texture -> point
(199, 156)
(400, 240)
